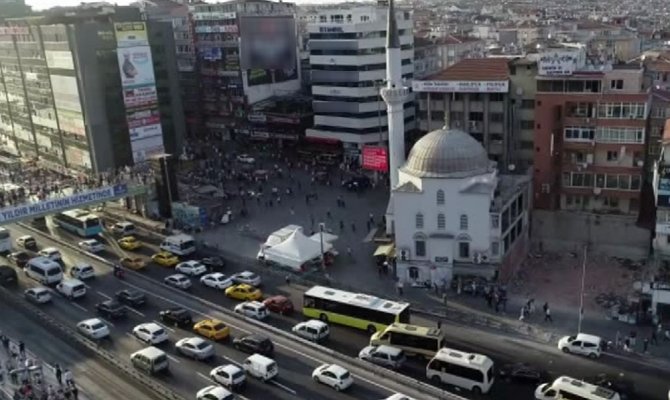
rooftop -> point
(475, 69)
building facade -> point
(247, 52)
(71, 91)
(348, 69)
(590, 138)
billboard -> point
(54, 205)
(137, 119)
(558, 63)
(375, 158)
(145, 131)
(461, 86)
(131, 34)
(140, 96)
(136, 66)
(268, 43)
(147, 147)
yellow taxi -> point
(134, 263)
(244, 292)
(129, 243)
(212, 329)
(165, 259)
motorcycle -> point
(119, 273)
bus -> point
(413, 339)
(5, 241)
(356, 310)
(566, 388)
(469, 371)
(78, 221)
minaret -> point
(394, 95)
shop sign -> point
(375, 158)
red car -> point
(279, 304)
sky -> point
(42, 4)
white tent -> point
(296, 250)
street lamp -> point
(581, 294)
(322, 226)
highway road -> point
(96, 379)
(651, 383)
(187, 376)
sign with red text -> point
(375, 158)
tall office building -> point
(348, 67)
(88, 88)
(247, 52)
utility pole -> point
(581, 294)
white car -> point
(214, 393)
(82, 271)
(313, 329)
(151, 333)
(91, 245)
(230, 376)
(93, 328)
(246, 159)
(252, 309)
(582, 344)
(399, 396)
(191, 268)
(247, 277)
(38, 295)
(178, 281)
(51, 253)
(196, 348)
(216, 280)
(334, 376)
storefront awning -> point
(387, 250)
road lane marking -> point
(164, 326)
(230, 360)
(136, 312)
(173, 358)
(79, 307)
(104, 295)
(288, 389)
(203, 376)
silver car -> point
(196, 348)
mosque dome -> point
(447, 153)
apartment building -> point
(590, 139)
(348, 67)
(522, 91)
(247, 52)
(89, 88)
(472, 95)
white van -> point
(469, 371)
(71, 288)
(150, 360)
(124, 228)
(261, 367)
(314, 330)
(570, 388)
(181, 245)
(582, 344)
(44, 270)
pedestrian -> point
(349, 252)
(288, 279)
(633, 338)
(5, 342)
(75, 392)
(353, 227)
(59, 375)
(445, 299)
(439, 324)
(654, 338)
(328, 214)
(379, 270)
(645, 345)
(522, 316)
(371, 218)
(399, 287)
(341, 225)
(67, 377)
(547, 315)
(22, 348)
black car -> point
(8, 276)
(523, 373)
(357, 183)
(177, 317)
(20, 258)
(625, 387)
(213, 263)
(254, 344)
(111, 309)
(131, 297)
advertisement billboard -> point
(145, 131)
(461, 86)
(375, 158)
(558, 63)
(136, 66)
(140, 96)
(144, 148)
(268, 43)
(131, 34)
(137, 119)
(49, 206)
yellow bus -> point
(356, 310)
(413, 339)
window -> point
(440, 197)
(496, 96)
(621, 110)
(497, 117)
(441, 222)
(579, 133)
(528, 104)
(525, 124)
(415, 342)
(464, 250)
(495, 248)
(620, 135)
(635, 182)
(476, 116)
(612, 155)
(495, 221)
(464, 222)
(420, 247)
(413, 273)
(616, 84)
(419, 221)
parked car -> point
(20, 258)
(131, 297)
(582, 344)
(216, 280)
(279, 304)
(213, 263)
(91, 245)
(38, 295)
(196, 348)
(357, 183)
(254, 343)
(334, 376)
(178, 317)
(523, 373)
(111, 309)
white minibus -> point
(181, 245)
(44, 270)
(566, 388)
(466, 370)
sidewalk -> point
(23, 374)
(473, 311)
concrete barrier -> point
(430, 390)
